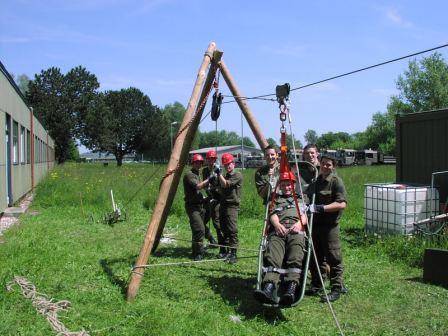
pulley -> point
(216, 105)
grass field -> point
(70, 257)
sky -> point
(158, 45)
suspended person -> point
(212, 201)
(285, 246)
(331, 200)
(266, 176)
(230, 189)
(194, 205)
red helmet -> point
(226, 158)
(197, 158)
(286, 176)
(211, 154)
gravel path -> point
(7, 222)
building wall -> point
(422, 148)
(21, 147)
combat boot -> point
(198, 257)
(334, 295)
(222, 252)
(266, 294)
(231, 257)
(213, 242)
(289, 296)
(313, 290)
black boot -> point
(290, 293)
(314, 290)
(266, 294)
(213, 242)
(334, 295)
(231, 257)
(222, 252)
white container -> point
(394, 208)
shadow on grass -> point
(423, 281)
(238, 292)
(173, 252)
(108, 267)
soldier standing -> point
(266, 177)
(230, 190)
(331, 200)
(285, 246)
(194, 205)
(213, 200)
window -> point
(36, 150)
(15, 142)
(22, 145)
(28, 146)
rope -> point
(180, 263)
(144, 183)
(341, 75)
(212, 244)
(323, 285)
(46, 307)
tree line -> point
(73, 109)
(422, 87)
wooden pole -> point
(176, 163)
(243, 106)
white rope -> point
(46, 307)
(308, 227)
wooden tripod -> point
(212, 62)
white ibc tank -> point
(393, 208)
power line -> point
(263, 97)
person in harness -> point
(284, 253)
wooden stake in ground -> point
(176, 164)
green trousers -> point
(327, 247)
(228, 218)
(284, 253)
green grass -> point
(69, 257)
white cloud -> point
(393, 16)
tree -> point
(297, 142)
(332, 140)
(311, 136)
(380, 135)
(58, 101)
(23, 82)
(272, 142)
(423, 87)
(222, 138)
(117, 120)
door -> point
(8, 159)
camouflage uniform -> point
(211, 205)
(326, 230)
(229, 207)
(264, 183)
(193, 206)
(285, 251)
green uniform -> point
(193, 206)
(284, 253)
(307, 174)
(325, 233)
(229, 207)
(265, 183)
(211, 205)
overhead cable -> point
(264, 97)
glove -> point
(217, 169)
(212, 179)
(316, 208)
